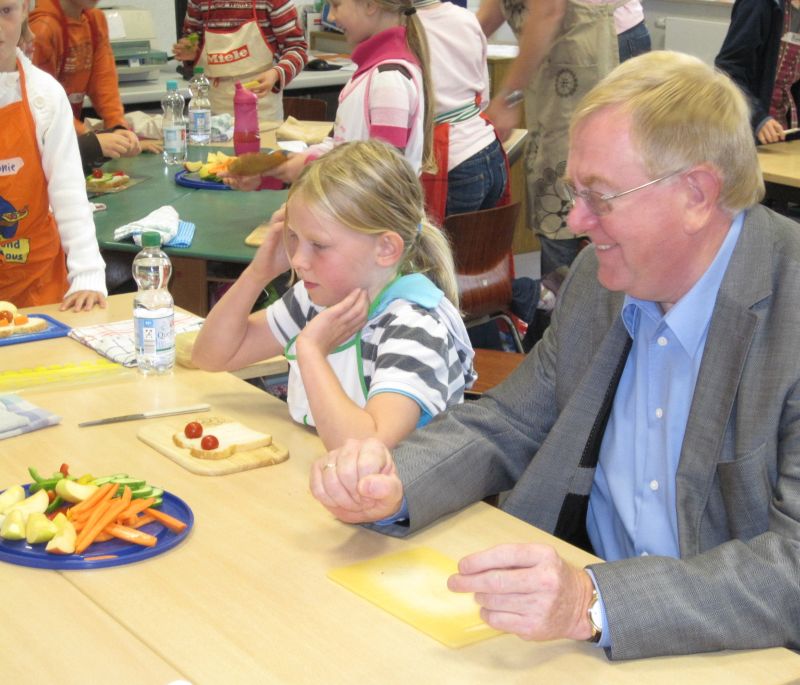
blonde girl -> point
(389, 97)
(375, 342)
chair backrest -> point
(482, 243)
(305, 109)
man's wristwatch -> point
(513, 98)
(595, 618)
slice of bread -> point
(9, 327)
(233, 437)
(252, 163)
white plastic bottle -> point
(199, 109)
(173, 125)
(153, 308)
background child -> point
(472, 168)
(39, 155)
(276, 49)
(72, 44)
(375, 344)
(389, 97)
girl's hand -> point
(291, 168)
(83, 301)
(271, 258)
(771, 132)
(262, 85)
(335, 325)
(152, 146)
(186, 49)
(246, 183)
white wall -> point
(163, 12)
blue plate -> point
(21, 553)
(190, 179)
(55, 329)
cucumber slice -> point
(158, 502)
(132, 483)
(156, 492)
(141, 493)
(102, 481)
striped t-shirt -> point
(414, 349)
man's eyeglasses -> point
(600, 203)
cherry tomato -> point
(119, 173)
(194, 429)
(64, 469)
(97, 173)
(209, 442)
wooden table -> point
(780, 165)
(245, 598)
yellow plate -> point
(412, 586)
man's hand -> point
(770, 132)
(358, 482)
(335, 325)
(528, 590)
(83, 301)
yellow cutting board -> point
(159, 437)
(412, 586)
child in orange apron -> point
(45, 256)
(263, 43)
(375, 343)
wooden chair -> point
(481, 243)
(305, 109)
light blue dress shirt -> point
(632, 508)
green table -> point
(224, 218)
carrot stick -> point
(104, 536)
(170, 522)
(95, 497)
(137, 537)
(97, 512)
(135, 507)
(89, 533)
(140, 521)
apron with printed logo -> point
(33, 269)
(583, 52)
(239, 54)
(782, 106)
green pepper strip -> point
(55, 504)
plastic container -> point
(199, 109)
(246, 136)
(173, 125)
(153, 308)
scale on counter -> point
(131, 33)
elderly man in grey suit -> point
(657, 423)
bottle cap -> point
(198, 70)
(172, 85)
(151, 239)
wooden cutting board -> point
(159, 437)
(412, 586)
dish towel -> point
(164, 221)
(115, 340)
(18, 416)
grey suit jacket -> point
(737, 582)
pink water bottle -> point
(246, 137)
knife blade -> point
(146, 415)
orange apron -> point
(435, 185)
(33, 269)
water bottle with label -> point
(153, 308)
(199, 109)
(173, 125)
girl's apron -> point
(33, 269)
(239, 54)
(584, 51)
(435, 184)
(782, 106)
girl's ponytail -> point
(418, 44)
